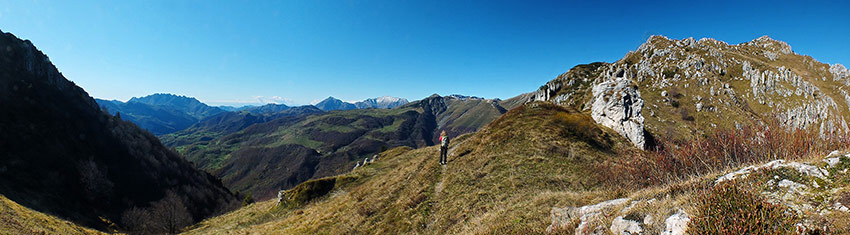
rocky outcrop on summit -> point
(840, 74)
(607, 90)
(687, 87)
(617, 104)
(791, 88)
(571, 88)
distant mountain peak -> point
(332, 103)
(390, 99)
(464, 97)
(383, 102)
(188, 105)
(267, 108)
(164, 98)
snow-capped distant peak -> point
(390, 99)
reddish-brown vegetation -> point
(718, 150)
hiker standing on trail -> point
(444, 147)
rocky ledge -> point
(813, 190)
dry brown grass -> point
(717, 151)
(505, 178)
(502, 180)
(17, 219)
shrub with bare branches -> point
(168, 215)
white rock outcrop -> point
(588, 216)
(676, 224)
(839, 73)
(624, 226)
(805, 169)
(617, 104)
(591, 219)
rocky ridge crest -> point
(686, 87)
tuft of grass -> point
(685, 115)
(582, 128)
(670, 73)
(730, 209)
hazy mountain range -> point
(167, 113)
(384, 102)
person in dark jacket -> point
(444, 147)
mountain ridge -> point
(189, 105)
(63, 155)
(704, 77)
(161, 113)
(383, 102)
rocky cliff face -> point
(617, 104)
(681, 88)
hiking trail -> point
(438, 188)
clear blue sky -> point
(299, 51)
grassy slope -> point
(504, 178)
(17, 219)
(339, 137)
(210, 155)
(515, 101)
(465, 116)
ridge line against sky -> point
(297, 52)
